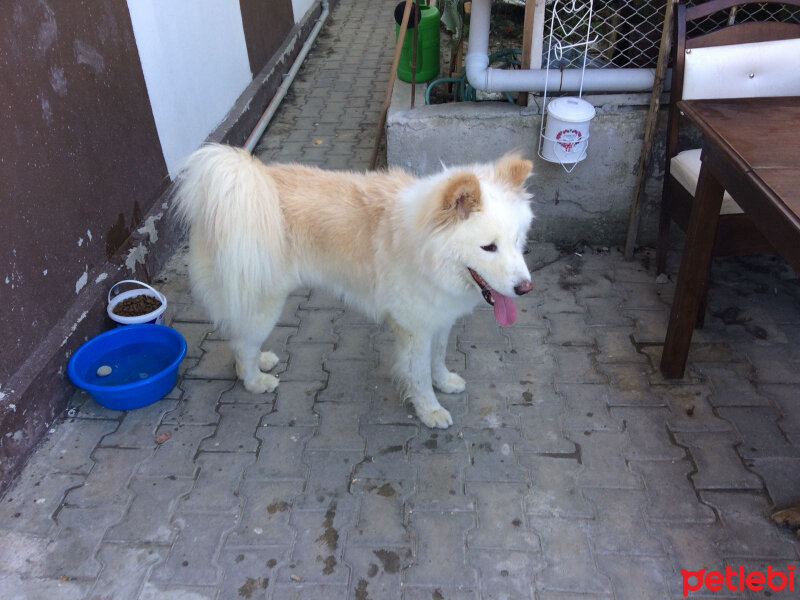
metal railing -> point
(627, 33)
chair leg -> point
(663, 237)
(701, 311)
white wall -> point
(300, 8)
(195, 64)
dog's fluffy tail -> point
(231, 204)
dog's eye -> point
(490, 248)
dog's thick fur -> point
(419, 252)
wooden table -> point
(751, 148)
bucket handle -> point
(141, 283)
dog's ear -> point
(454, 200)
(460, 196)
(513, 169)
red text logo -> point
(773, 579)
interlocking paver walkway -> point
(573, 470)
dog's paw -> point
(261, 383)
(438, 418)
(267, 361)
(452, 383)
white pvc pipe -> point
(482, 77)
(273, 105)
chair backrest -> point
(748, 59)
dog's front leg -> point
(445, 380)
(412, 368)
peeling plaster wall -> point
(83, 180)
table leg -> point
(693, 275)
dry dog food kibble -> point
(137, 306)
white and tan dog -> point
(417, 251)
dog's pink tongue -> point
(504, 309)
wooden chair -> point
(740, 60)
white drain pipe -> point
(482, 77)
(273, 105)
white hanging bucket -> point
(156, 316)
(566, 134)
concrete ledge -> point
(589, 205)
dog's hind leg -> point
(445, 380)
(412, 368)
(247, 337)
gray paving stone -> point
(386, 456)
(237, 428)
(586, 408)
(602, 455)
(125, 568)
(380, 518)
(672, 498)
(249, 573)
(576, 365)
(306, 362)
(280, 454)
(630, 385)
(195, 334)
(450, 593)
(317, 554)
(692, 547)
(29, 507)
(780, 477)
(441, 554)
(440, 482)
(554, 491)
(69, 451)
(316, 326)
(691, 409)
(192, 559)
(487, 406)
(216, 363)
(72, 553)
(620, 526)
(504, 574)
(501, 523)
(568, 564)
(198, 402)
(606, 310)
(569, 329)
(647, 431)
(17, 588)
(749, 530)
(354, 343)
(338, 427)
(761, 436)
(148, 518)
(785, 397)
(377, 572)
(615, 345)
(106, 484)
(86, 407)
(731, 386)
(176, 455)
(492, 456)
(265, 519)
(138, 427)
(349, 381)
(718, 464)
(330, 477)
(772, 365)
(236, 394)
(636, 577)
(217, 486)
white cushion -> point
(743, 70)
(685, 167)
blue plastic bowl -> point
(143, 360)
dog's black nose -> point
(523, 288)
